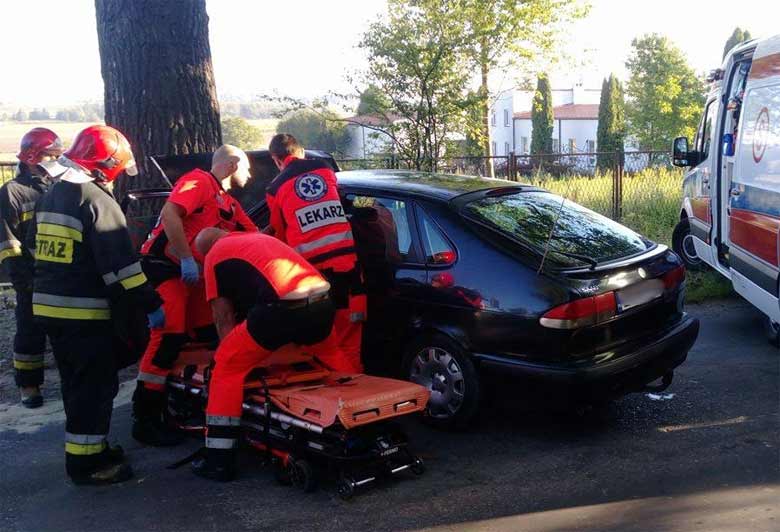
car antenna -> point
(157, 165)
(550, 236)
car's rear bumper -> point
(613, 373)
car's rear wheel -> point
(682, 243)
(446, 370)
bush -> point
(240, 133)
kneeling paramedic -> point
(199, 200)
(85, 265)
(307, 214)
(17, 211)
(263, 295)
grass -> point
(651, 207)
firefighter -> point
(17, 209)
(85, 264)
(200, 199)
(263, 295)
(307, 214)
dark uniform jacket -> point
(85, 263)
(17, 208)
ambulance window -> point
(706, 130)
(381, 226)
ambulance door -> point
(754, 197)
(699, 183)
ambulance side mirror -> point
(681, 156)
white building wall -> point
(366, 142)
(501, 114)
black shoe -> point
(108, 474)
(34, 401)
(203, 467)
(113, 454)
(156, 433)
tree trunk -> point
(159, 82)
(484, 92)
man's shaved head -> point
(230, 162)
(207, 238)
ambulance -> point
(730, 216)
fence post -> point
(511, 167)
(617, 188)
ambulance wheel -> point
(345, 487)
(302, 475)
(772, 331)
(443, 367)
(682, 243)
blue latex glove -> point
(189, 270)
(156, 319)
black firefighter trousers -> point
(29, 343)
(84, 351)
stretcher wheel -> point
(417, 466)
(345, 487)
(302, 475)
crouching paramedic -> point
(263, 295)
(17, 211)
(84, 264)
(199, 200)
(307, 214)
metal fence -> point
(618, 185)
(7, 171)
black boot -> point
(148, 424)
(216, 464)
(106, 467)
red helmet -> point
(37, 143)
(103, 151)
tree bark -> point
(159, 81)
(484, 91)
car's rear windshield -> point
(529, 217)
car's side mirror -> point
(681, 155)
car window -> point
(579, 236)
(438, 249)
(382, 227)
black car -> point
(470, 277)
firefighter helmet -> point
(38, 143)
(103, 151)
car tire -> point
(446, 370)
(682, 244)
(772, 329)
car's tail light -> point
(581, 312)
(674, 278)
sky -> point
(258, 47)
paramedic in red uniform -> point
(307, 214)
(198, 200)
(263, 295)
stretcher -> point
(307, 419)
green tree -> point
(738, 36)
(542, 119)
(665, 95)
(239, 132)
(611, 132)
(317, 130)
(373, 102)
(501, 34)
(415, 58)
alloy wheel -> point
(436, 369)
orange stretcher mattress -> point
(300, 386)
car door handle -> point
(735, 192)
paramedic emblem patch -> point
(310, 187)
(761, 135)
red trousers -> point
(340, 351)
(186, 310)
(236, 356)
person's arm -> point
(172, 218)
(224, 315)
(11, 253)
(243, 221)
(276, 226)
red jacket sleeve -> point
(277, 217)
(243, 221)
